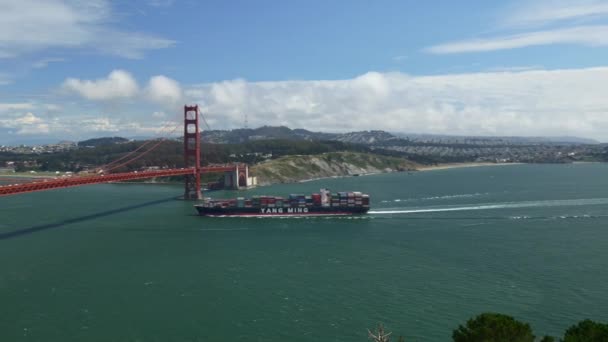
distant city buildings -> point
(39, 149)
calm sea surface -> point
(131, 263)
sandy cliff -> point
(290, 169)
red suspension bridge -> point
(237, 173)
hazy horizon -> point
(27, 140)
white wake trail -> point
(510, 205)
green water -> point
(131, 263)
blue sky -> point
(73, 70)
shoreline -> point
(422, 168)
(461, 165)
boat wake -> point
(442, 197)
(560, 217)
(506, 205)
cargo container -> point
(324, 203)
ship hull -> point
(280, 212)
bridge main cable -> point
(106, 167)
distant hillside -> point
(366, 137)
(295, 168)
(377, 137)
(242, 135)
(491, 140)
(102, 141)
(429, 148)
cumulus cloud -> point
(27, 119)
(23, 124)
(28, 26)
(164, 90)
(532, 102)
(119, 84)
(53, 122)
(103, 124)
(509, 101)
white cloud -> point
(538, 13)
(516, 101)
(4, 78)
(160, 3)
(164, 90)
(563, 20)
(128, 44)
(583, 35)
(51, 107)
(118, 85)
(34, 129)
(43, 63)
(103, 124)
(22, 121)
(27, 119)
(515, 68)
(5, 107)
(24, 124)
(27, 26)
(533, 102)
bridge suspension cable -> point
(205, 121)
(102, 167)
(135, 158)
(142, 153)
(111, 166)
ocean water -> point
(129, 262)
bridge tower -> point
(192, 153)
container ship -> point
(324, 203)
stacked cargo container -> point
(365, 201)
(316, 199)
(339, 199)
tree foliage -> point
(493, 327)
(587, 331)
(102, 141)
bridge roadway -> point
(66, 182)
